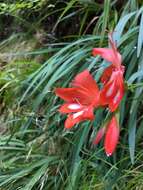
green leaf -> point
(121, 25)
(133, 115)
(140, 37)
(69, 5)
(138, 74)
(105, 19)
(36, 177)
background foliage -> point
(44, 44)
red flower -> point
(111, 137)
(99, 135)
(110, 54)
(111, 132)
(112, 78)
(81, 99)
(113, 91)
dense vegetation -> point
(45, 44)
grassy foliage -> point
(36, 151)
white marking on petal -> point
(116, 97)
(75, 115)
(74, 106)
(110, 90)
(109, 154)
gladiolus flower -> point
(112, 78)
(81, 99)
(113, 91)
(111, 132)
(99, 135)
(111, 136)
(109, 54)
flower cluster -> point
(84, 96)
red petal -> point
(85, 114)
(87, 88)
(88, 113)
(99, 135)
(77, 95)
(111, 55)
(105, 53)
(111, 137)
(107, 93)
(84, 92)
(117, 56)
(67, 94)
(70, 107)
(113, 105)
(112, 93)
(88, 98)
(71, 121)
(107, 74)
(85, 81)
